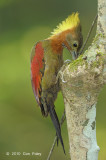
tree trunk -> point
(85, 78)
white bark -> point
(85, 78)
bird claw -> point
(63, 79)
(67, 61)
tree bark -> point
(85, 78)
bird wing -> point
(37, 70)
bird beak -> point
(74, 55)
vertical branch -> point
(101, 25)
(84, 79)
(80, 104)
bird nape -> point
(46, 61)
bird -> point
(46, 61)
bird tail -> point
(56, 123)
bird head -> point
(69, 35)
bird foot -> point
(62, 77)
(63, 80)
(67, 61)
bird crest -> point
(70, 22)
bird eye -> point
(75, 45)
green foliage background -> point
(22, 128)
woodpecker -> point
(46, 61)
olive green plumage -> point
(46, 61)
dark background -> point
(22, 128)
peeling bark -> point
(85, 78)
